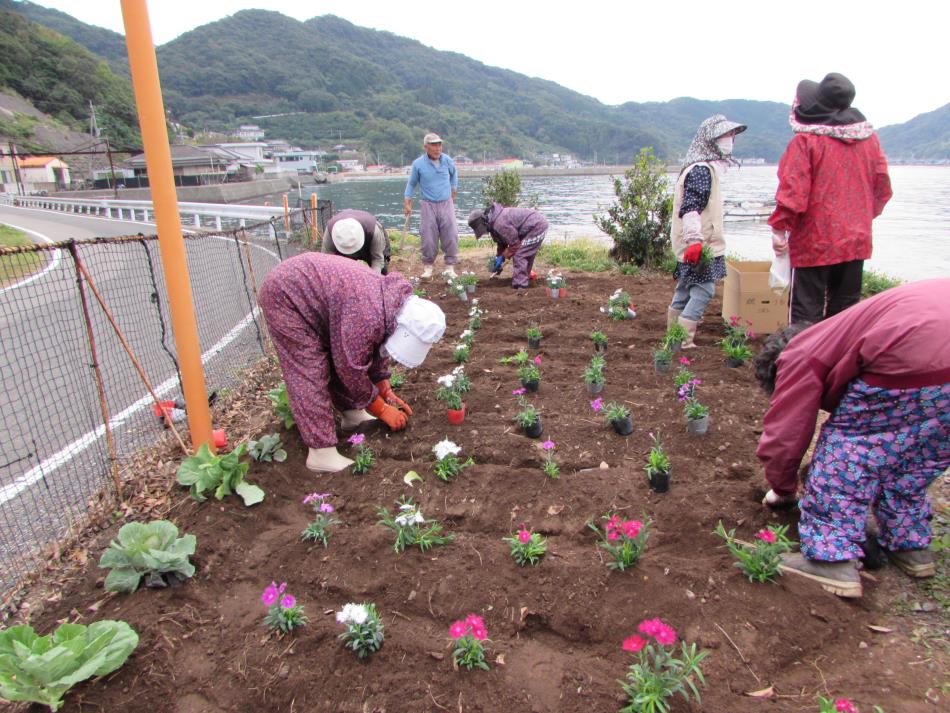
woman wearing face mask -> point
(698, 222)
(335, 323)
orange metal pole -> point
(313, 215)
(151, 110)
(286, 215)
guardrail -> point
(211, 216)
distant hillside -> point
(60, 78)
(926, 137)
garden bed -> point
(555, 629)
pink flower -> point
(524, 536)
(457, 630)
(475, 621)
(518, 392)
(734, 320)
(633, 643)
(631, 528)
(649, 627)
(326, 507)
(312, 498)
(480, 633)
(843, 705)
(537, 360)
(270, 594)
(613, 535)
(766, 536)
(548, 445)
(356, 439)
(288, 601)
(684, 361)
(665, 635)
(597, 404)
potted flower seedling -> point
(528, 417)
(683, 375)
(697, 417)
(457, 288)
(364, 457)
(736, 353)
(623, 540)
(675, 336)
(527, 548)
(658, 467)
(618, 416)
(283, 612)
(460, 353)
(556, 284)
(530, 375)
(364, 630)
(475, 315)
(658, 674)
(519, 358)
(759, 561)
(447, 463)
(662, 358)
(533, 333)
(450, 393)
(469, 635)
(619, 306)
(550, 467)
(411, 528)
(705, 259)
(470, 280)
(736, 332)
(600, 342)
(323, 520)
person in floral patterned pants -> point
(882, 370)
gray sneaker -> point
(839, 578)
(916, 563)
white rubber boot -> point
(690, 327)
(450, 272)
(427, 272)
(352, 419)
(671, 316)
(326, 460)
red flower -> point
(457, 630)
(475, 621)
(766, 536)
(633, 643)
(524, 537)
(631, 528)
(843, 705)
(665, 635)
(480, 633)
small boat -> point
(748, 210)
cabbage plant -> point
(41, 669)
(147, 550)
(221, 475)
(267, 448)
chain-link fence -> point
(83, 325)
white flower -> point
(402, 520)
(457, 347)
(418, 518)
(445, 448)
(466, 333)
(446, 380)
(352, 614)
(459, 370)
(407, 506)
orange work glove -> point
(390, 415)
(389, 396)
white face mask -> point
(724, 144)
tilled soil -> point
(555, 629)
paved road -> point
(52, 454)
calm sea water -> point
(911, 238)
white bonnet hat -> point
(420, 323)
(347, 236)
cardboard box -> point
(746, 293)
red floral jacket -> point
(829, 191)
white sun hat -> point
(419, 324)
(347, 236)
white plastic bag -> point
(781, 273)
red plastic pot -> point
(219, 438)
(562, 292)
(455, 417)
(162, 408)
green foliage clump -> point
(582, 255)
(281, 402)
(267, 449)
(873, 282)
(639, 221)
(147, 550)
(222, 475)
(503, 187)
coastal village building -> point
(250, 132)
(42, 173)
(198, 166)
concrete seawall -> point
(220, 193)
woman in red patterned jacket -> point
(833, 182)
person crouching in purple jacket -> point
(518, 233)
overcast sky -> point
(895, 53)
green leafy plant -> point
(705, 259)
(615, 412)
(529, 373)
(41, 669)
(503, 187)
(148, 550)
(456, 287)
(396, 378)
(623, 540)
(467, 338)
(618, 305)
(447, 464)
(657, 461)
(461, 353)
(694, 410)
(662, 356)
(555, 280)
(599, 339)
(323, 520)
(528, 415)
(593, 375)
(873, 282)
(267, 449)
(278, 397)
(675, 334)
(657, 674)
(363, 459)
(468, 278)
(527, 548)
(738, 351)
(222, 474)
(411, 528)
(519, 358)
(534, 332)
(364, 631)
(759, 561)
(283, 612)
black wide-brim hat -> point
(827, 102)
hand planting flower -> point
(411, 528)
(364, 457)
(550, 466)
(624, 540)
(469, 636)
(527, 547)
(447, 464)
(319, 529)
(364, 630)
(761, 560)
(283, 612)
(657, 674)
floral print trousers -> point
(880, 449)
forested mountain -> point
(333, 81)
(60, 77)
(926, 137)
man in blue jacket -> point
(434, 173)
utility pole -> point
(16, 169)
(115, 188)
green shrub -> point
(873, 282)
(503, 187)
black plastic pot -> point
(534, 343)
(660, 482)
(535, 429)
(734, 363)
(661, 368)
(530, 385)
(676, 346)
(600, 348)
(595, 388)
(623, 426)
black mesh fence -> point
(65, 370)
